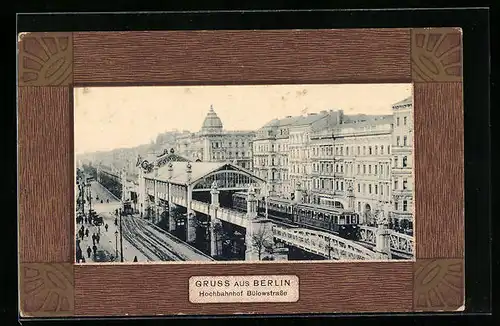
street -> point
(142, 240)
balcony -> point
(401, 149)
(324, 191)
(402, 215)
(402, 192)
(401, 170)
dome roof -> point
(212, 121)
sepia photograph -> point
(244, 173)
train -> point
(330, 219)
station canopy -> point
(203, 175)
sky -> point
(106, 118)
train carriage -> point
(337, 220)
(277, 208)
(240, 201)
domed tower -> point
(212, 123)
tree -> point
(261, 240)
(219, 235)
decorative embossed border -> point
(50, 64)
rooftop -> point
(212, 121)
(408, 100)
(198, 171)
(296, 120)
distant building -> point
(214, 144)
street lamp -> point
(121, 235)
(89, 196)
(329, 248)
(266, 195)
(116, 242)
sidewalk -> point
(106, 248)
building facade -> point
(361, 162)
(214, 144)
(402, 161)
(352, 165)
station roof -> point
(198, 171)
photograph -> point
(244, 173)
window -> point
(358, 150)
(347, 151)
(395, 184)
(336, 185)
(341, 150)
(396, 205)
(397, 140)
(341, 169)
(388, 149)
(359, 206)
(405, 184)
(376, 189)
(358, 169)
(404, 140)
(405, 205)
(341, 186)
(382, 150)
(364, 169)
(405, 161)
(404, 121)
(381, 190)
(370, 169)
(376, 169)
(370, 150)
(397, 121)
(364, 150)
(369, 188)
(359, 187)
(376, 150)
(395, 161)
(364, 188)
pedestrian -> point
(85, 219)
(116, 221)
(87, 233)
(135, 259)
(93, 239)
(89, 251)
(107, 200)
(97, 238)
(106, 227)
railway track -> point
(138, 243)
(138, 233)
(164, 234)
